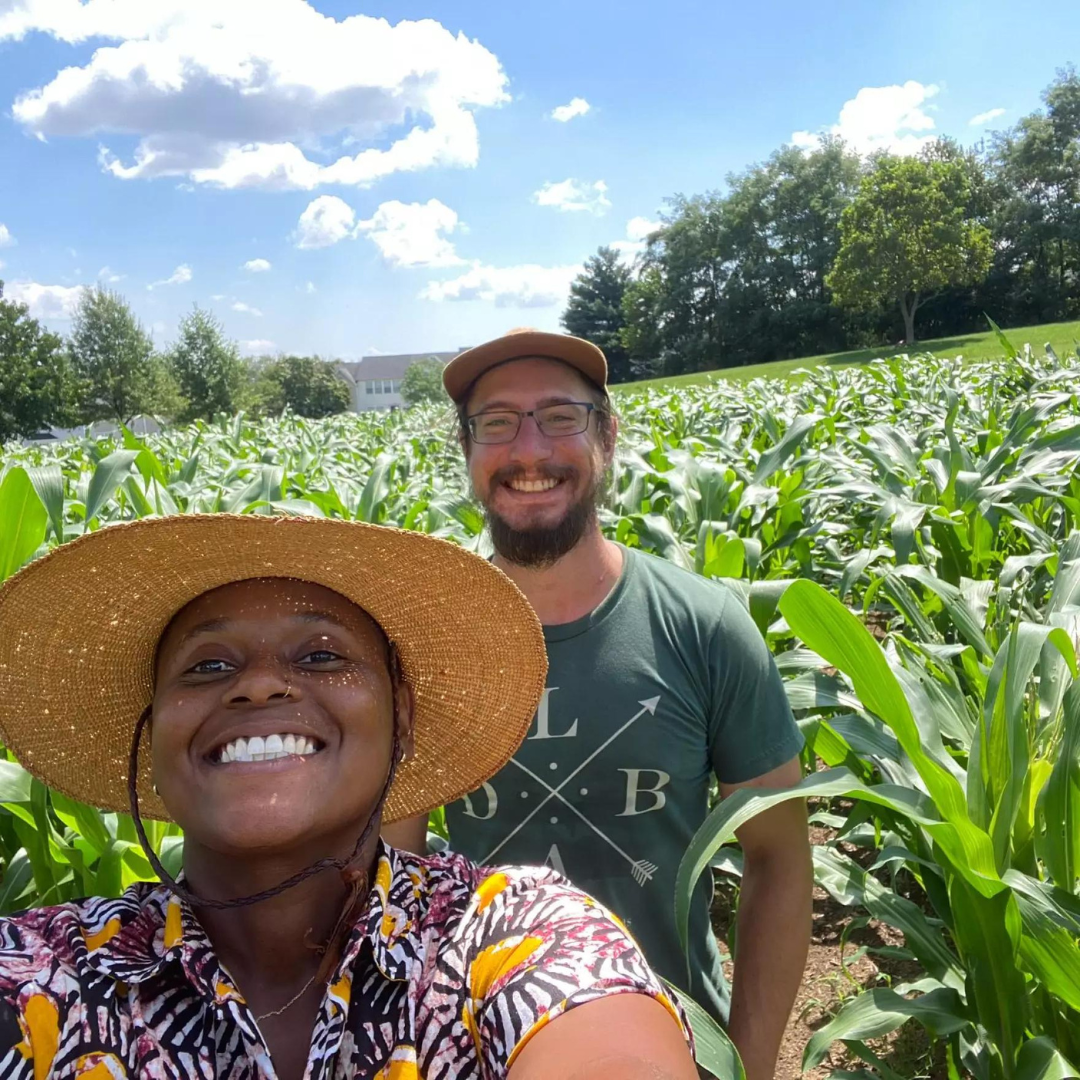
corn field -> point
(907, 537)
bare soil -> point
(834, 974)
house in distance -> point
(375, 381)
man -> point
(658, 680)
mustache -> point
(544, 472)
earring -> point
(402, 756)
(153, 787)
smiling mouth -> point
(265, 748)
(533, 486)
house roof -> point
(391, 367)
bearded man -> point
(658, 681)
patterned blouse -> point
(447, 975)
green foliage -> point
(207, 367)
(907, 235)
(936, 502)
(37, 386)
(595, 309)
(305, 384)
(113, 358)
(422, 382)
(740, 278)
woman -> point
(300, 682)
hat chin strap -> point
(352, 878)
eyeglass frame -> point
(589, 406)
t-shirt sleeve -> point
(542, 948)
(751, 728)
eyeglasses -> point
(554, 421)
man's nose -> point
(531, 443)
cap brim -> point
(79, 628)
(467, 367)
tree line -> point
(108, 369)
(823, 251)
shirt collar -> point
(149, 929)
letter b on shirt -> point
(641, 798)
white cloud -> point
(410, 234)
(574, 195)
(256, 346)
(577, 107)
(218, 297)
(326, 220)
(45, 301)
(985, 117)
(246, 309)
(638, 231)
(109, 276)
(881, 118)
(1, 264)
(309, 287)
(6, 239)
(257, 266)
(180, 276)
(507, 286)
(235, 93)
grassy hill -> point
(1064, 337)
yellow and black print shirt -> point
(447, 974)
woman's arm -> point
(630, 1036)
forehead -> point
(522, 382)
(255, 604)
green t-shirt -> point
(665, 683)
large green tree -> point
(740, 277)
(37, 386)
(907, 235)
(1035, 216)
(595, 309)
(207, 367)
(305, 384)
(114, 359)
(422, 381)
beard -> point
(542, 546)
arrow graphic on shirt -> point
(647, 706)
(640, 871)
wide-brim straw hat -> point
(521, 344)
(80, 626)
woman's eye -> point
(211, 667)
(320, 656)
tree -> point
(37, 386)
(422, 381)
(1035, 170)
(207, 367)
(907, 235)
(595, 310)
(113, 357)
(305, 384)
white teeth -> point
(533, 485)
(270, 748)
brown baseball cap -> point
(521, 344)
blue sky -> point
(331, 183)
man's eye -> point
(211, 667)
(494, 422)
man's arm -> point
(629, 1036)
(409, 834)
(774, 920)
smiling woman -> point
(301, 682)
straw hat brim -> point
(461, 372)
(79, 628)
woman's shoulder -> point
(38, 944)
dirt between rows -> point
(834, 974)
